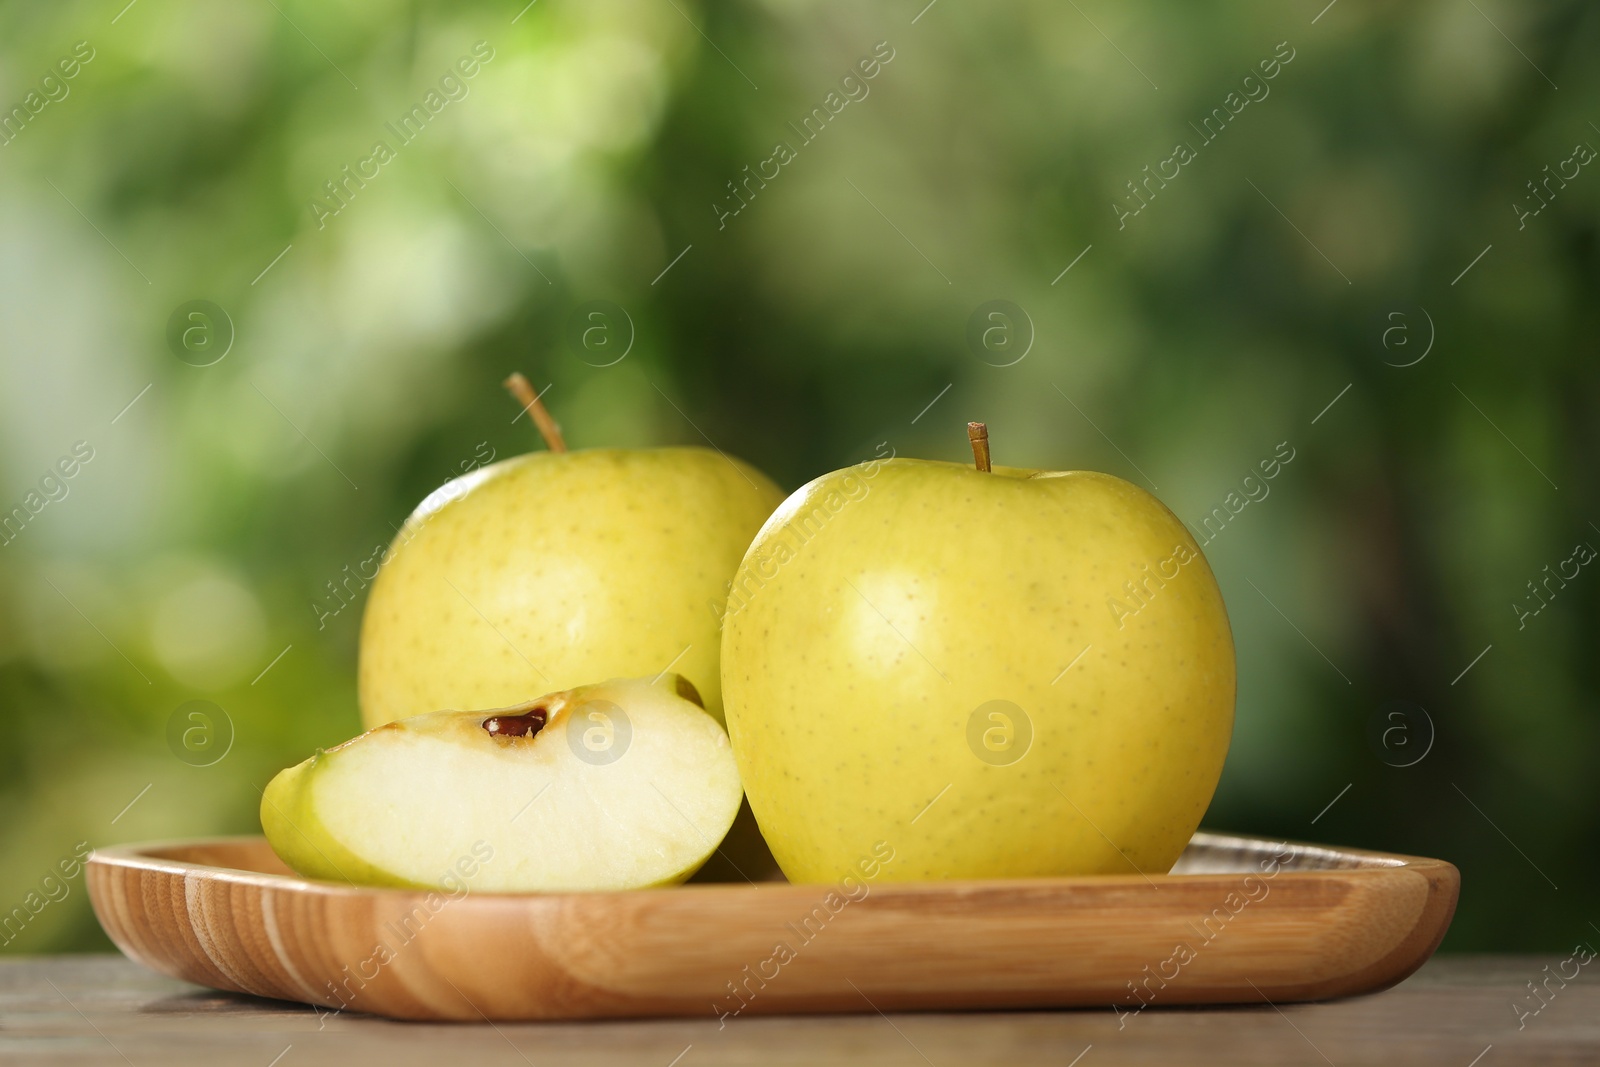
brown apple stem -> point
(549, 429)
(978, 434)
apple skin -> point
(550, 570)
(301, 840)
(881, 605)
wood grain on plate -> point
(1238, 920)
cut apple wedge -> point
(622, 785)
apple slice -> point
(621, 785)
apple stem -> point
(978, 434)
(549, 429)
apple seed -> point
(525, 725)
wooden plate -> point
(1238, 919)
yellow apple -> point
(994, 672)
(620, 785)
(554, 569)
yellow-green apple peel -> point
(998, 672)
(554, 569)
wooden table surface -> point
(1456, 1010)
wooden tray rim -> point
(1356, 862)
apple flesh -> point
(550, 570)
(997, 673)
(614, 786)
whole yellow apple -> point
(994, 672)
(554, 569)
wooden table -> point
(1456, 1010)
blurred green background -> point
(1320, 249)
